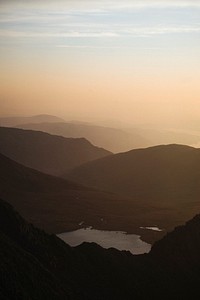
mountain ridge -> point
(58, 205)
(113, 139)
(45, 152)
(164, 181)
(13, 121)
(128, 166)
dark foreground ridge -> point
(35, 265)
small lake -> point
(107, 239)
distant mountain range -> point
(47, 153)
(13, 121)
(114, 139)
(37, 266)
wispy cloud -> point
(75, 34)
(98, 6)
(114, 20)
(146, 31)
(106, 47)
(119, 32)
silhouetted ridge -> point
(113, 139)
(23, 275)
(35, 265)
(182, 246)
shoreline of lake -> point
(107, 239)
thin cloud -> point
(129, 31)
(18, 34)
(107, 47)
(98, 6)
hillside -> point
(162, 170)
(58, 205)
(165, 179)
(113, 139)
(47, 153)
(35, 265)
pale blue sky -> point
(70, 23)
(132, 44)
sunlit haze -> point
(133, 61)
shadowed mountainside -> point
(58, 205)
(47, 153)
(159, 172)
(35, 265)
(164, 179)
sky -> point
(133, 61)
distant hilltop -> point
(14, 121)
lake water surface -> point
(154, 228)
(107, 239)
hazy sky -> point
(136, 61)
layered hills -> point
(35, 265)
(164, 179)
(113, 139)
(161, 171)
(47, 153)
(59, 205)
(13, 121)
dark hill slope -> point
(160, 172)
(35, 265)
(182, 246)
(25, 252)
(58, 205)
(113, 139)
(47, 153)
(164, 180)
